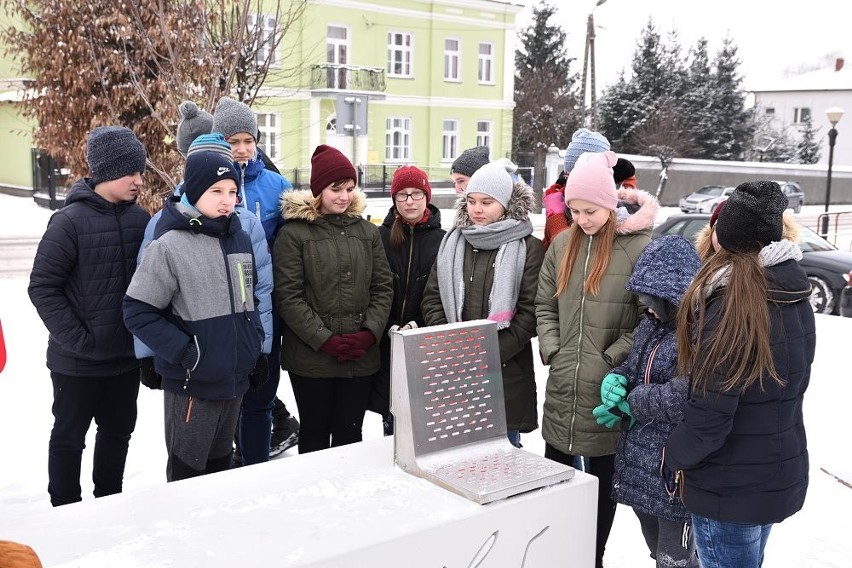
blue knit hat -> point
(213, 142)
(665, 269)
(584, 140)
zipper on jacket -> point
(233, 307)
(123, 246)
(579, 343)
(407, 277)
(243, 184)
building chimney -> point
(838, 63)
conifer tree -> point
(807, 150)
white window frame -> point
(400, 53)
(337, 79)
(268, 125)
(801, 114)
(484, 133)
(449, 139)
(485, 69)
(265, 33)
(398, 139)
(452, 60)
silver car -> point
(705, 199)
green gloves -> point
(613, 389)
(624, 407)
(604, 417)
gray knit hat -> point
(193, 123)
(584, 140)
(493, 180)
(232, 117)
(470, 160)
(114, 152)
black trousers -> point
(331, 410)
(111, 402)
(602, 467)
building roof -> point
(819, 80)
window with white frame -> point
(450, 140)
(452, 59)
(486, 62)
(483, 133)
(400, 54)
(398, 139)
(267, 124)
(337, 48)
(265, 27)
(801, 115)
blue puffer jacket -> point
(83, 265)
(260, 192)
(195, 284)
(656, 398)
(262, 260)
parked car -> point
(705, 199)
(826, 266)
(794, 193)
(846, 298)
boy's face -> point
(125, 188)
(460, 183)
(243, 146)
(219, 199)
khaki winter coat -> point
(582, 337)
(331, 277)
(516, 354)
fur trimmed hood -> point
(302, 205)
(521, 204)
(643, 209)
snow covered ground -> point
(816, 536)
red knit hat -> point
(716, 212)
(411, 176)
(327, 166)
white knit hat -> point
(492, 180)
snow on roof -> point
(819, 80)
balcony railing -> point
(337, 77)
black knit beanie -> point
(114, 152)
(470, 160)
(752, 217)
(202, 170)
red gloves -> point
(335, 346)
(349, 346)
(360, 339)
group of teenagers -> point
(676, 374)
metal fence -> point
(50, 178)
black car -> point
(824, 264)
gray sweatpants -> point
(199, 434)
(670, 542)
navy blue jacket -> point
(744, 456)
(196, 284)
(82, 267)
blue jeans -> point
(515, 438)
(722, 545)
(255, 424)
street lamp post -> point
(834, 114)
(589, 69)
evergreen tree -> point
(807, 150)
(545, 91)
(732, 127)
(696, 107)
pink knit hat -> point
(591, 180)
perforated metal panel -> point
(450, 418)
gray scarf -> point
(506, 235)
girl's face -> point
(410, 209)
(484, 209)
(219, 199)
(588, 216)
(336, 197)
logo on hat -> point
(222, 170)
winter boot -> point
(285, 430)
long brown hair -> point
(397, 234)
(740, 341)
(603, 252)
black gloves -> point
(148, 375)
(189, 359)
(260, 374)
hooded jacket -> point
(196, 285)
(582, 336)
(656, 395)
(331, 277)
(82, 267)
(260, 192)
(516, 356)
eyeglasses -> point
(403, 197)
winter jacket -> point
(331, 277)
(743, 457)
(260, 193)
(582, 336)
(515, 341)
(263, 265)
(196, 285)
(656, 395)
(82, 267)
(410, 266)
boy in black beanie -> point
(82, 267)
(198, 314)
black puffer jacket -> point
(82, 268)
(744, 456)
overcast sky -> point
(772, 37)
